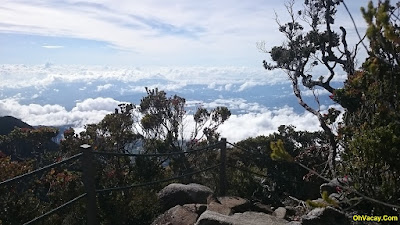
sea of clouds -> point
(57, 95)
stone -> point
(180, 194)
(213, 218)
(257, 218)
(326, 216)
(280, 212)
(219, 208)
(294, 223)
(235, 203)
(178, 215)
(259, 207)
(246, 218)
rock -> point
(213, 218)
(256, 218)
(219, 208)
(178, 215)
(180, 194)
(294, 223)
(259, 207)
(246, 218)
(280, 212)
(229, 205)
(325, 216)
(235, 203)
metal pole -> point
(222, 168)
(89, 183)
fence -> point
(88, 176)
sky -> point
(70, 62)
(152, 32)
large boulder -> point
(246, 218)
(180, 194)
(325, 216)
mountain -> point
(8, 123)
(21, 148)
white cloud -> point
(317, 92)
(249, 84)
(52, 46)
(85, 112)
(234, 104)
(243, 126)
(103, 87)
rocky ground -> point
(196, 204)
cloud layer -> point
(41, 76)
(85, 112)
(257, 120)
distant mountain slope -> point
(8, 123)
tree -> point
(162, 121)
(29, 143)
(368, 136)
(277, 180)
(311, 42)
(372, 121)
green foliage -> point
(279, 152)
(277, 179)
(371, 124)
(26, 143)
(327, 201)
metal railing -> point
(88, 176)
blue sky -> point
(137, 33)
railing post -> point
(222, 168)
(89, 183)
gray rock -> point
(178, 215)
(280, 212)
(246, 218)
(214, 218)
(180, 194)
(325, 216)
(235, 203)
(219, 208)
(256, 218)
(294, 223)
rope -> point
(156, 154)
(247, 171)
(56, 209)
(40, 169)
(155, 182)
(254, 152)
